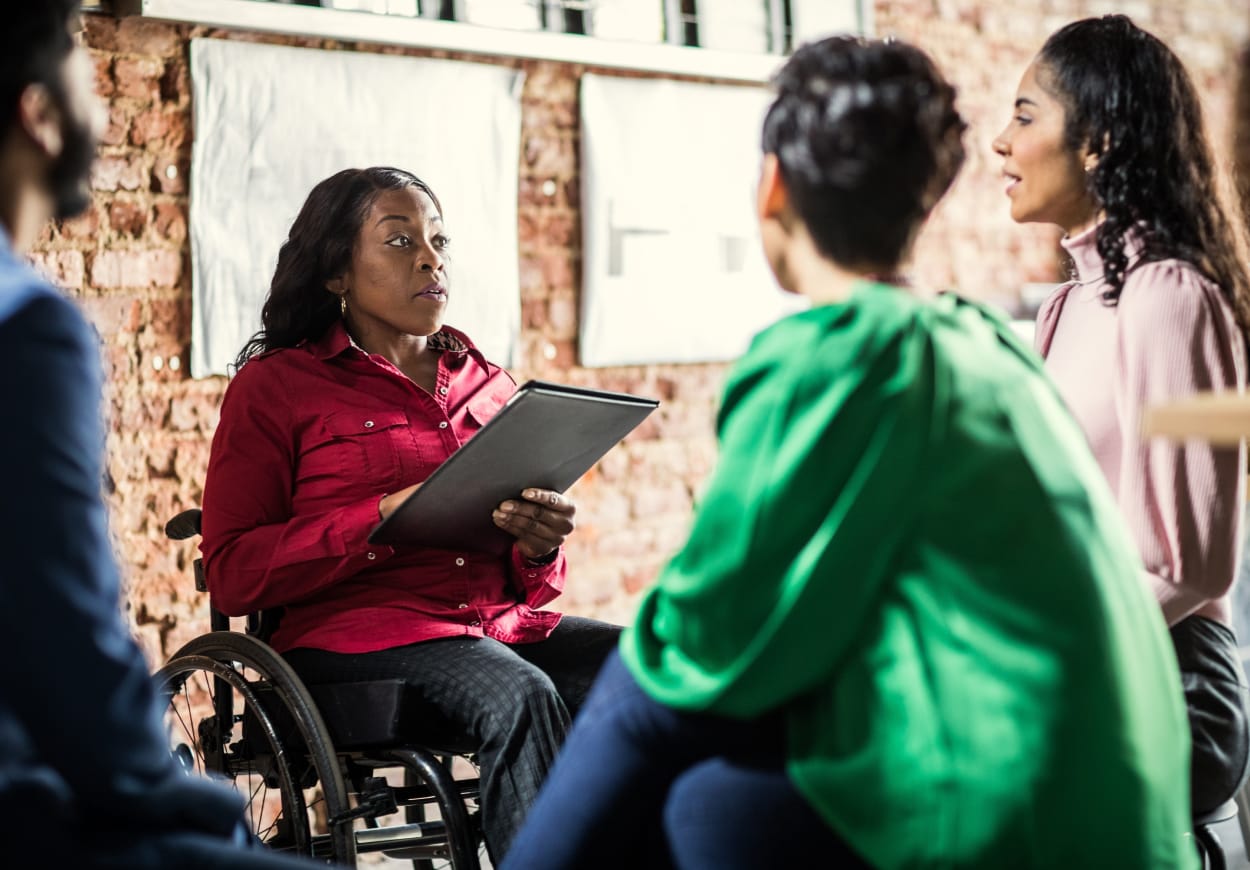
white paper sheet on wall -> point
(272, 121)
(673, 270)
(812, 19)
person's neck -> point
(815, 276)
(24, 207)
(400, 349)
(408, 353)
(22, 215)
(1077, 227)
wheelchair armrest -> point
(184, 525)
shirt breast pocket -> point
(481, 408)
(357, 446)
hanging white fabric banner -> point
(673, 269)
(271, 121)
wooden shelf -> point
(1221, 418)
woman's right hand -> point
(393, 500)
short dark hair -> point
(1128, 98)
(34, 42)
(317, 250)
(867, 139)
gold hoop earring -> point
(343, 305)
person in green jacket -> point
(908, 627)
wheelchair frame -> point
(237, 711)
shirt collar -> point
(1083, 248)
(336, 340)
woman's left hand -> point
(540, 520)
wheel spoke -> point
(185, 722)
(197, 697)
(236, 693)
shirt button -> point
(460, 560)
(442, 390)
(442, 425)
(372, 555)
(463, 606)
(368, 424)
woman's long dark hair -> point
(318, 249)
(1129, 99)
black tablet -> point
(546, 436)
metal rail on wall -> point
(418, 32)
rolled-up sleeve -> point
(539, 584)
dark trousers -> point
(510, 704)
(1215, 693)
(641, 785)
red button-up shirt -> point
(310, 439)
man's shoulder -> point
(21, 287)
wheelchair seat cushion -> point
(378, 713)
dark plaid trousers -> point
(511, 704)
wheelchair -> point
(310, 760)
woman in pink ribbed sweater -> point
(1107, 142)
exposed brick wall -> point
(984, 48)
(127, 262)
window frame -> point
(423, 32)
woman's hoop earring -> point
(343, 305)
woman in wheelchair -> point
(353, 392)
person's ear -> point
(337, 286)
(1093, 155)
(40, 118)
(772, 197)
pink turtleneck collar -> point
(1083, 249)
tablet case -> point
(546, 436)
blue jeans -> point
(639, 784)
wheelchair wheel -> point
(236, 711)
(470, 855)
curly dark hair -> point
(318, 249)
(861, 122)
(1128, 99)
